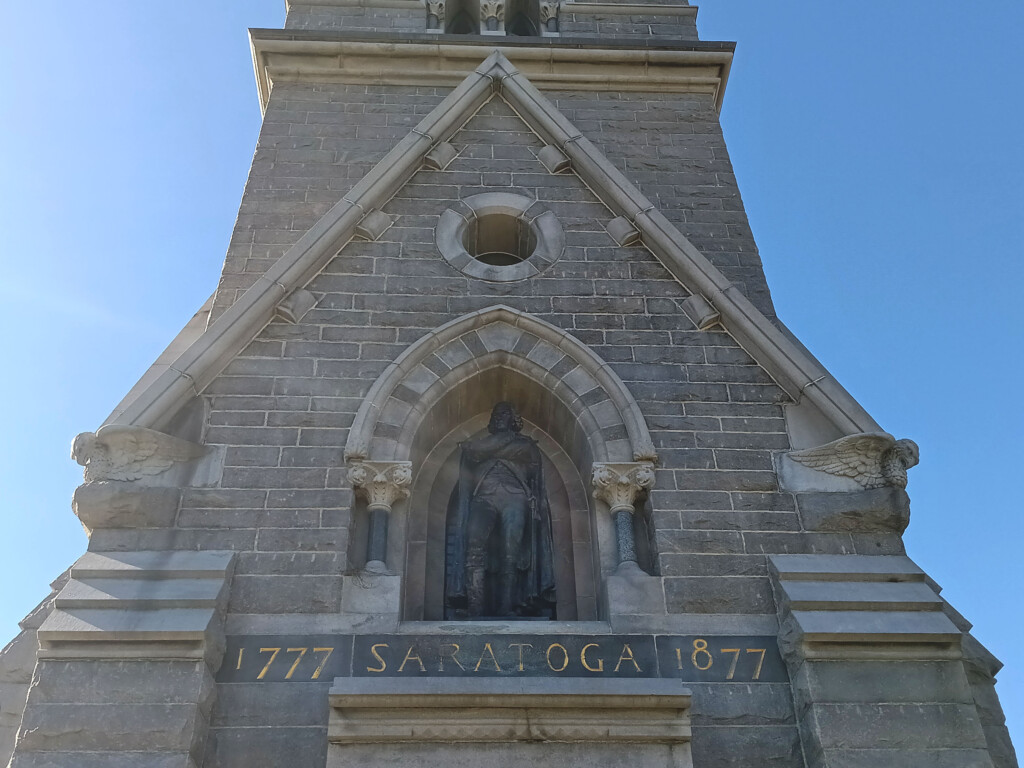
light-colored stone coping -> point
(630, 9)
(280, 58)
(451, 710)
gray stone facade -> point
(225, 614)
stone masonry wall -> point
(284, 406)
(318, 140)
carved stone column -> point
(381, 483)
(435, 15)
(549, 16)
(620, 486)
(492, 17)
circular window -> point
(499, 236)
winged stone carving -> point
(873, 459)
(117, 452)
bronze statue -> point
(498, 537)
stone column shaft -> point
(620, 486)
(381, 483)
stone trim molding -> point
(139, 605)
(792, 367)
(296, 55)
(503, 710)
(630, 9)
(530, 214)
(859, 607)
(500, 329)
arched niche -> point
(441, 391)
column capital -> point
(620, 485)
(381, 483)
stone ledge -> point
(421, 60)
(448, 710)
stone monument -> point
(489, 448)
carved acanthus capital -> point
(492, 9)
(381, 483)
(548, 11)
(435, 8)
(620, 486)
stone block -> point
(747, 746)
(728, 594)
(742, 705)
(114, 504)
(373, 593)
(93, 759)
(879, 509)
(905, 758)
(271, 705)
(631, 591)
(897, 726)
(108, 727)
(279, 746)
(849, 681)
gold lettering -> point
(409, 656)
(732, 667)
(760, 662)
(583, 659)
(383, 664)
(273, 655)
(487, 649)
(329, 651)
(240, 652)
(452, 655)
(291, 670)
(679, 658)
(700, 646)
(627, 655)
(565, 657)
(520, 646)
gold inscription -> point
(383, 664)
(586, 664)
(320, 668)
(627, 655)
(701, 656)
(453, 656)
(409, 656)
(273, 655)
(760, 661)
(487, 649)
(735, 659)
(520, 646)
(565, 657)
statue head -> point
(504, 419)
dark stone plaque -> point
(321, 658)
(506, 655)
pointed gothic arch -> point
(440, 391)
(499, 336)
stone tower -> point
(455, 205)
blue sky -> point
(877, 146)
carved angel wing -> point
(855, 456)
(128, 453)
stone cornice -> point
(294, 56)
